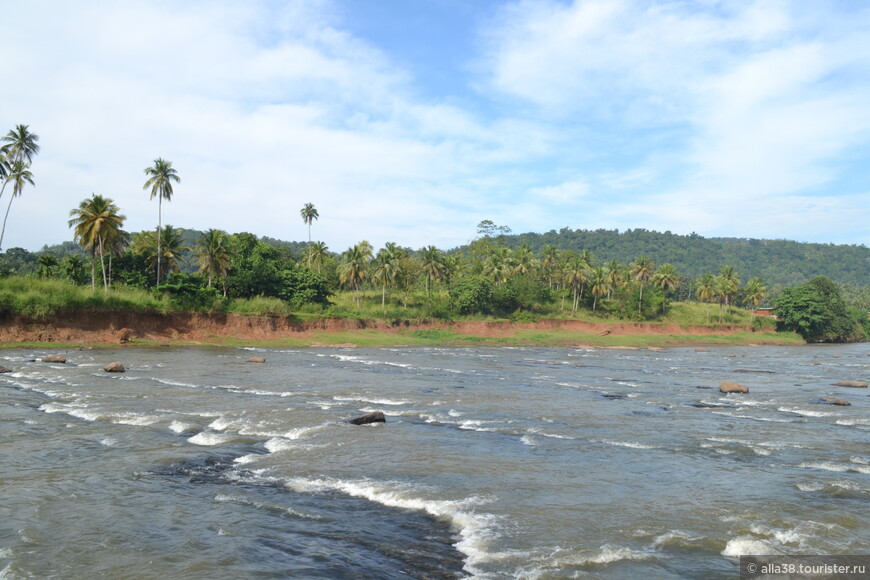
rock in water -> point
(256, 359)
(114, 367)
(729, 387)
(375, 417)
(835, 401)
(854, 384)
(5, 370)
(54, 358)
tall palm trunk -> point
(159, 225)
(103, 267)
(8, 207)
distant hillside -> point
(777, 262)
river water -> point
(493, 462)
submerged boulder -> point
(729, 387)
(256, 359)
(114, 367)
(374, 417)
(835, 401)
(854, 384)
(5, 370)
(54, 358)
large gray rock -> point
(374, 417)
(854, 384)
(114, 367)
(54, 358)
(729, 387)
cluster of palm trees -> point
(19, 147)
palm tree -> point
(667, 278)
(386, 270)
(160, 178)
(615, 272)
(499, 265)
(599, 285)
(728, 283)
(309, 214)
(705, 290)
(315, 255)
(47, 264)
(432, 265)
(754, 292)
(549, 263)
(213, 255)
(19, 176)
(524, 260)
(354, 268)
(20, 145)
(642, 270)
(97, 223)
(165, 249)
(576, 276)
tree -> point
(97, 222)
(705, 290)
(599, 285)
(19, 176)
(817, 312)
(754, 293)
(315, 256)
(309, 214)
(471, 294)
(667, 278)
(642, 270)
(47, 264)
(354, 267)
(167, 248)
(19, 145)
(576, 276)
(727, 284)
(213, 255)
(549, 263)
(160, 178)
(432, 265)
(386, 271)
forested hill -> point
(777, 262)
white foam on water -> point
(133, 419)
(454, 413)
(476, 530)
(765, 419)
(177, 383)
(853, 422)
(373, 401)
(606, 554)
(247, 459)
(814, 486)
(108, 441)
(629, 444)
(207, 438)
(529, 440)
(860, 460)
(804, 413)
(182, 427)
(748, 545)
(837, 467)
(536, 431)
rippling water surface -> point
(493, 463)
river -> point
(493, 462)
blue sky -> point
(412, 120)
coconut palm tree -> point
(599, 284)
(47, 263)
(309, 214)
(499, 265)
(754, 293)
(315, 255)
(213, 255)
(549, 263)
(615, 271)
(160, 178)
(97, 224)
(727, 284)
(19, 176)
(576, 276)
(705, 290)
(386, 270)
(166, 249)
(19, 145)
(667, 278)
(432, 266)
(354, 268)
(642, 270)
(523, 260)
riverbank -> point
(93, 329)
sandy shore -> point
(118, 328)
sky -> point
(411, 121)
